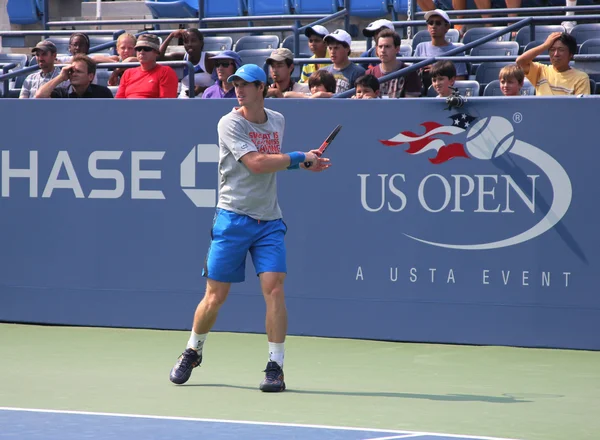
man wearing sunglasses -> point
(226, 63)
(150, 80)
(438, 25)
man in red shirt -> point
(150, 80)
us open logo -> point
(486, 139)
(201, 153)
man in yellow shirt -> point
(558, 78)
(317, 46)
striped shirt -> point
(548, 81)
(36, 80)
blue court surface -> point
(40, 424)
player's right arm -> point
(526, 58)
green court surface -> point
(533, 394)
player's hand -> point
(551, 39)
(315, 163)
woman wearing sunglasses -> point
(226, 63)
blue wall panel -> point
(379, 246)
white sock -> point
(196, 341)
(571, 3)
(276, 352)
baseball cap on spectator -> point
(376, 26)
(148, 40)
(249, 73)
(341, 36)
(44, 46)
(280, 54)
(437, 12)
(229, 55)
(317, 29)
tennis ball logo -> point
(490, 137)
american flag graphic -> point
(420, 143)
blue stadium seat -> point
(23, 11)
(541, 33)
(102, 76)
(590, 47)
(255, 56)
(401, 6)
(315, 6)
(465, 88)
(496, 48)
(369, 8)
(477, 33)
(96, 40)
(488, 72)
(586, 31)
(173, 9)
(493, 89)
(257, 42)
(593, 88)
(405, 50)
(533, 44)
(269, 7)
(14, 84)
(217, 44)
(423, 36)
(288, 43)
(61, 43)
(223, 8)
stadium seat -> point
(423, 36)
(257, 42)
(269, 7)
(23, 11)
(477, 33)
(488, 72)
(14, 84)
(173, 9)
(400, 6)
(288, 43)
(217, 44)
(493, 89)
(96, 40)
(315, 6)
(255, 56)
(533, 44)
(465, 88)
(102, 76)
(592, 87)
(405, 50)
(541, 33)
(369, 8)
(586, 31)
(590, 47)
(496, 48)
(223, 8)
(61, 43)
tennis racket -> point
(326, 143)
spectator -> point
(372, 31)
(511, 79)
(45, 51)
(443, 75)
(388, 48)
(226, 63)
(559, 78)
(438, 24)
(367, 87)
(344, 72)
(150, 80)
(281, 65)
(126, 54)
(321, 84)
(80, 74)
(78, 43)
(317, 46)
(193, 43)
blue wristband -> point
(296, 158)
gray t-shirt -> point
(429, 50)
(345, 78)
(240, 190)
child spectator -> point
(317, 46)
(367, 87)
(511, 80)
(321, 84)
(344, 71)
(443, 75)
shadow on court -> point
(438, 397)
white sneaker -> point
(569, 25)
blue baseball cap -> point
(249, 73)
(229, 55)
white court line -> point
(244, 422)
(394, 437)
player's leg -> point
(269, 258)
(225, 264)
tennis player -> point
(248, 219)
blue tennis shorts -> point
(233, 236)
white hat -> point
(317, 29)
(341, 36)
(437, 12)
(370, 30)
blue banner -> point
(473, 225)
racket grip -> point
(307, 164)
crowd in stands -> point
(211, 70)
